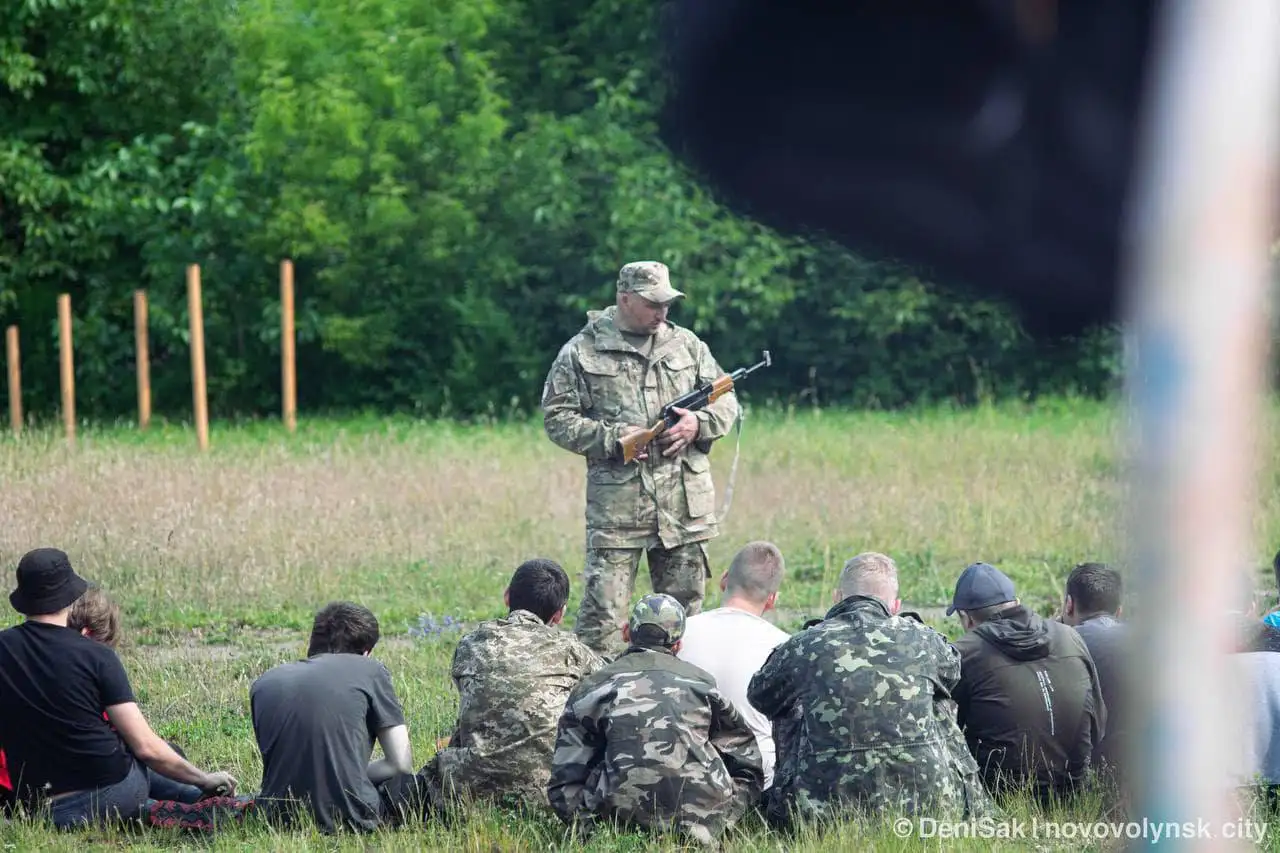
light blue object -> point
(1272, 619)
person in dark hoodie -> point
(1028, 700)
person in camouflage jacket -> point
(612, 378)
(863, 715)
(649, 741)
(513, 676)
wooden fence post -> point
(67, 367)
(198, 392)
(142, 357)
(15, 378)
(288, 365)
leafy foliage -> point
(457, 183)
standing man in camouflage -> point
(864, 700)
(608, 381)
(650, 741)
(513, 676)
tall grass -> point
(220, 559)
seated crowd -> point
(701, 719)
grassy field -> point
(220, 559)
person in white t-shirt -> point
(733, 641)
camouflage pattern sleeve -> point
(564, 400)
(733, 739)
(769, 690)
(947, 658)
(579, 748)
(716, 419)
(589, 661)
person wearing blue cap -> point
(1028, 700)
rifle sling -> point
(733, 468)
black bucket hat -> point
(46, 583)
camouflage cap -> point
(662, 611)
(648, 279)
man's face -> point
(640, 314)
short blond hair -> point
(870, 573)
(98, 612)
(756, 572)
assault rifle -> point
(696, 399)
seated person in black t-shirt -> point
(316, 721)
(60, 749)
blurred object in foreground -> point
(989, 139)
(1199, 225)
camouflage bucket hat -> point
(649, 280)
(662, 611)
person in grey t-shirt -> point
(1092, 605)
(316, 721)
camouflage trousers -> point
(680, 572)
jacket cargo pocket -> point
(613, 495)
(699, 489)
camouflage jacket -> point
(864, 719)
(650, 741)
(513, 676)
(599, 384)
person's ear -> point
(835, 595)
(1119, 610)
(84, 632)
(506, 598)
(675, 647)
(1069, 606)
(724, 581)
(771, 602)
(895, 607)
(626, 633)
(557, 617)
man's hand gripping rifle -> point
(696, 399)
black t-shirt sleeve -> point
(113, 682)
(384, 708)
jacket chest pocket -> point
(677, 375)
(609, 383)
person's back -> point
(55, 735)
(733, 641)
(77, 746)
(864, 695)
(732, 645)
(1029, 699)
(513, 676)
(649, 741)
(1107, 639)
(316, 721)
(1092, 605)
